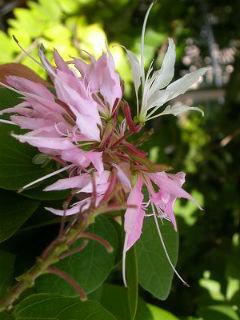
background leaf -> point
(90, 268)
(155, 273)
(218, 312)
(115, 299)
(17, 167)
(14, 211)
(6, 316)
(45, 306)
(6, 270)
(132, 281)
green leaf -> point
(132, 281)
(155, 272)
(158, 313)
(17, 167)
(14, 211)
(8, 98)
(115, 299)
(218, 312)
(6, 270)
(46, 306)
(89, 268)
(6, 316)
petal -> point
(76, 208)
(60, 63)
(169, 185)
(45, 142)
(123, 178)
(69, 183)
(30, 123)
(163, 76)
(29, 86)
(136, 69)
(133, 218)
(75, 156)
(181, 85)
(179, 108)
(136, 230)
(96, 159)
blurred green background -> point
(206, 33)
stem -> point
(50, 256)
(103, 242)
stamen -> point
(142, 43)
(45, 177)
(124, 262)
(8, 122)
(165, 249)
(10, 88)
(26, 53)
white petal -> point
(142, 41)
(179, 108)
(136, 69)
(163, 76)
(157, 99)
(181, 85)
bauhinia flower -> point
(81, 122)
(156, 89)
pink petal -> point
(96, 159)
(76, 208)
(133, 219)
(70, 183)
(45, 142)
(170, 184)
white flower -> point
(156, 89)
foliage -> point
(209, 241)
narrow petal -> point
(142, 42)
(163, 76)
(169, 185)
(123, 177)
(136, 69)
(133, 218)
(45, 142)
(96, 159)
(181, 85)
(75, 209)
(69, 183)
(179, 108)
(60, 63)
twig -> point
(75, 250)
(93, 236)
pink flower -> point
(82, 122)
(101, 77)
(133, 218)
(84, 185)
(170, 188)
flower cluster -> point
(82, 122)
